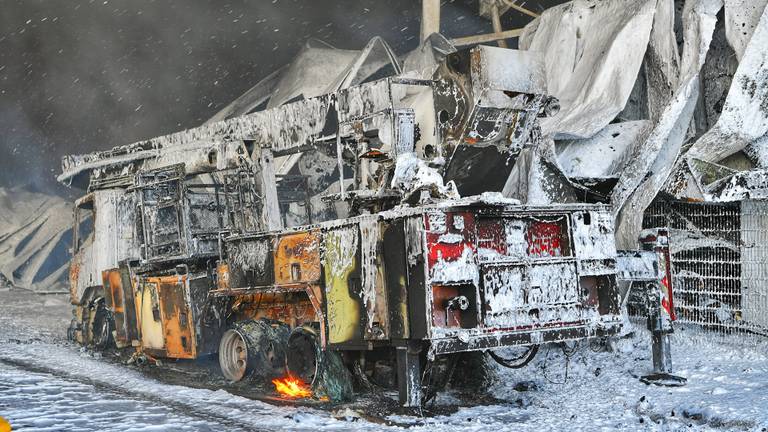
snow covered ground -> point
(46, 384)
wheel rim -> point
(233, 355)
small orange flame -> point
(291, 387)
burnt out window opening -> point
(83, 223)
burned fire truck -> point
(329, 234)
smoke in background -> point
(78, 76)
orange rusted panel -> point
(222, 279)
(297, 258)
(118, 292)
(113, 293)
(113, 286)
(74, 275)
(176, 316)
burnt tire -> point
(102, 327)
(324, 370)
(253, 349)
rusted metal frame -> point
(264, 289)
(187, 307)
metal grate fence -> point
(719, 254)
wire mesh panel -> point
(717, 252)
(243, 202)
(181, 217)
(159, 193)
(754, 263)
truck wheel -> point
(325, 370)
(253, 348)
(102, 327)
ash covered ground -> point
(49, 384)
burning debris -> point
(292, 388)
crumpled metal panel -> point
(744, 118)
(593, 51)
(297, 258)
(658, 154)
(603, 155)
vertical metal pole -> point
(661, 312)
(496, 21)
(409, 374)
(430, 18)
(340, 162)
(270, 206)
(660, 327)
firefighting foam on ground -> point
(565, 203)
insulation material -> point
(654, 159)
(716, 78)
(744, 119)
(507, 70)
(593, 51)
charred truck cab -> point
(327, 236)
